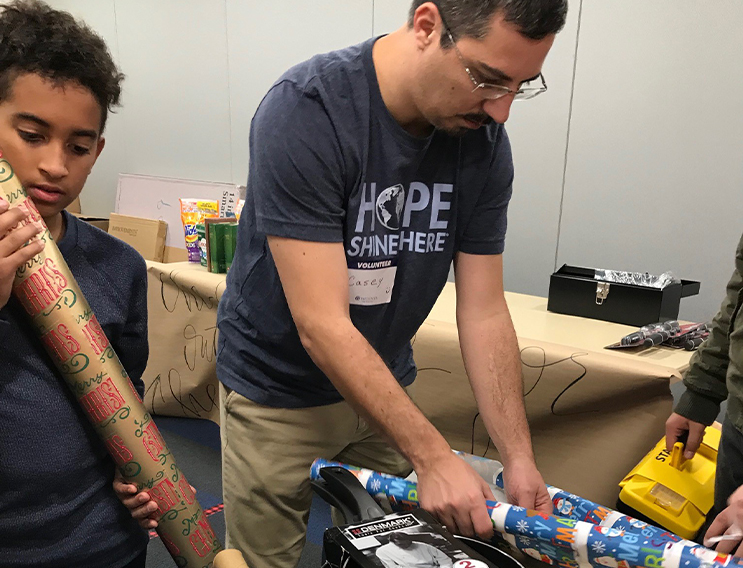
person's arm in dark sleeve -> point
(705, 380)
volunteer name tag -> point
(370, 283)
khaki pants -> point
(266, 458)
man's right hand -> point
(13, 254)
(455, 494)
(676, 425)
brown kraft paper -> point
(80, 350)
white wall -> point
(655, 166)
(652, 139)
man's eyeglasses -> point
(492, 92)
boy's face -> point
(50, 134)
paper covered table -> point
(593, 413)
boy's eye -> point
(30, 136)
(80, 150)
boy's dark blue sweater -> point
(57, 505)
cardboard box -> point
(146, 236)
(575, 291)
(100, 222)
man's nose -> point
(498, 109)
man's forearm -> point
(360, 375)
(493, 364)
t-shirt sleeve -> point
(296, 167)
(485, 233)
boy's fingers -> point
(124, 488)
(144, 512)
(24, 254)
(10, 218)
(15, 239)
(148, 524)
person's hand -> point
(525, 487)
(676, 425)
(736, 504)
(728, 522)
(455, 494)
(141, 506)
(13, 254)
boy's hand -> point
(12, 252)
(141, 506)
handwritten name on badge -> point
(370, 283)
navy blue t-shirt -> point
(57, 505)
(329, 163)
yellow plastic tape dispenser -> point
(671, 491)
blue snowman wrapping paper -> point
(579, 533)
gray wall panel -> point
(654, 167)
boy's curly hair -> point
(35, 38)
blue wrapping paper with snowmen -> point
(580, 533)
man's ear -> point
(427, 25)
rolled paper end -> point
(229, 559)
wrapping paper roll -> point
(400, 494)
(75, 341)
(575, 507)
(562, 540)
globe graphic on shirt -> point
(390, 204)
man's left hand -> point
(525, 486)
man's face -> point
(401, 540)
(444, 93)
(50, 134)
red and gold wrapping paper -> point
(81, 351)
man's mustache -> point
(483, 119)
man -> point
(372, 168)
(716, 374)
(404, 551)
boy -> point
(57, 505)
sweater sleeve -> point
(705, 380)
(133, 348)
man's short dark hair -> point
(34, 38)
(535, 19)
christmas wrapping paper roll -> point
(563, 541)
(401, 494)
(575, 507)
(75, 341)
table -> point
(593, 413)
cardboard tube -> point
(230, 559)
(75, 341)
